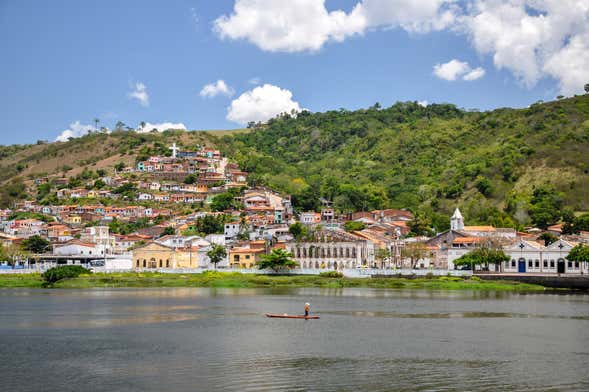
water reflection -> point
(186, 339)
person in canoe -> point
(307, 309)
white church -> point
(526, 256)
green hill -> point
(506, 166)
(20, 165)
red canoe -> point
(291, 316)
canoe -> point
(291, 316)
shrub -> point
(429, 275)
(56, 274)
(331, 274)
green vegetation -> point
(579, 253)
(54, 275)
(354, 226)
(208, 224)
(506, 167)
(277, 260)
(216, 254)
(36, 244)
(482, 256)
(238, 280)
(226, 201)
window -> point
(513, 263)
(537, 264)
(144, 263)
(576, 264)
(236, 258)
(168, 263)
(545, 264)
(247, 257)
(551, 263)
(570, 264)
(530, 263)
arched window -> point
(348, 252)
(161, 263)
(144, 263)
(168, 263)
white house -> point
(231, 230)
(529, 256)
(78, 248)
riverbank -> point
(238, 280)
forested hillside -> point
(507, 167)
(81, 157)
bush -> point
(430, 275)
(56, 274)
(331, 274)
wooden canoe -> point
(289, 316)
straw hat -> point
(307, 304)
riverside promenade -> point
(573, 282)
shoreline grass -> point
(237, 280)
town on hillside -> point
(170, 212)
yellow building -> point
(247, 256)
(154, 255)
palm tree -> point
(96, 121)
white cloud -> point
(261, 104)
(455, 69)
(160, 127)
(194, 16)
(306, 25)
(474, 74)
(451, 70)
(139, 93)
(255, 81)
(423, 103)
(534, 38)
(213, 89)
(76, 129)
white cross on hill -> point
(174, 150)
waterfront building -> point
(154, 255)
(333, 249)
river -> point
(218, 339)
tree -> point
(191, 179)
(420, 225)
(12, 254)
(169, 231)
(414, 251)
(225, 201)
(548, 238)
(278, 259)
(36, 244)
(217, 254)
(383, 254)
(298, 230)
(354, 226)
(580, 254)
(587, 88)
(483, 256)
(96, 121)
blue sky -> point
(71, 61)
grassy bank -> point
(237, 280)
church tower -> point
(457, 221)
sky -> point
(200, 64)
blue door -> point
(521, 265)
